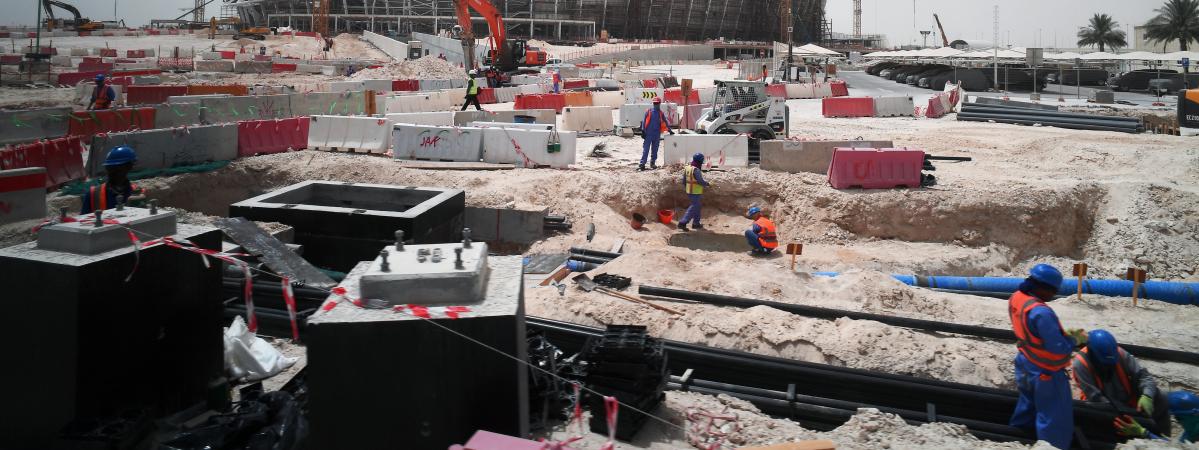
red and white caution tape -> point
(611, 408)
(290, 299)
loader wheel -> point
(758, 136)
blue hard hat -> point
(120, 155)
(99, 77)
(753, 210)
(1102, 345)
(1183, 403)
(1046, 274)
(698, 157)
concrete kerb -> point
(33, 124)
(807, 156)
(169, 147)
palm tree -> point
(1177, 20)
(1104, 32)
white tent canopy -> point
(816, 49)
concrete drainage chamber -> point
(340, 224)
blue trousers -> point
(651, 142)
(1045, 403)
(752, 238)
(693, 211)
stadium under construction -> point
(688, 20)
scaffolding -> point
(583, 20)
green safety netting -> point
(79, 187)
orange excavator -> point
(505, 55)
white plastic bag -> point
(249, 357)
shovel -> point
(587, 284)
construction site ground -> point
(1031, 195)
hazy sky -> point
(1027, 22)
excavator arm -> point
(46, 4)
(485, 8)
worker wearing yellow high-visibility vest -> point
(472, 92)
(693, 185)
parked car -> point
(1071, 77)
(969, 79)
(1137, 80)
(875, 69)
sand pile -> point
(427, 68)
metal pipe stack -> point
(978, 112)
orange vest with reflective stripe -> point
(1033, 347)
(767, 238)
(661, 120)
(102, 100)
(100, 196)
(1120, 375)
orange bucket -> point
(665, 216)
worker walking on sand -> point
(652, 126)
(472, 92)
(761, 235)
(1105, 372)
(1183, 405)
(117, 187)
(102, 95)
(1044, 347)
(557, 77)
(693, 185)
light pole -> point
(925, 33)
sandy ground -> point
(1032, 194)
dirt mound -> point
(427, 68)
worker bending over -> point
(117, 164)
(652, 126)
(1184, 406)
(1105, 372)
(1044, 347)
(693, 185)
(761, 235)
(102, 95)
(472, 92)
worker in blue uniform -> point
(1105, 372)
(1184, 406)
(693, 185)
(1045, 404)
(652, 126)
(117, 165)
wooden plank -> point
(273, 252)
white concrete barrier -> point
(518, 80)
(22, 194)
(529, 148)
(375, 85)
(506, 94)
(344, 86)
(611, 99)
(548, 116)
(523, 126)
(60, 60)
(80, 52)
(604, 83)
(822, 90)
(532, 89)
(587, 118)
(437, 143)
(435, 85)
(443, 118)
(800, 90)
(894, 107)
(706, 94)
(429, 102)
(643, 95)
(210, 56)
(357, 134)
(631, 116)
(720, 150)
(456, 96)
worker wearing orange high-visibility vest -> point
(763, 235)
(117, 164)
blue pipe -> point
(1176, 292)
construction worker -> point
(1044, 347)
(652, 126)
(102, 95)
(762, 235)
(117, 164)
(1106, 373)
(472, 92)
(557, 77)
(693, 185)
(1183, 405)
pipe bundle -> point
(979, 112)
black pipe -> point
(1117, 121)
(1162, 354)
(555, 219)
(590, 259)
(590, 252)
(1052, 119)
(967, 118)
(910, 415)
(557, 226)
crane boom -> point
(944, 39)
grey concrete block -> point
(220, 65)
(23, 195)
(428, 275)
(253, 67)
(84, 238)
(29, 125)
(328, 103)
(235, 108)
(147, 79)
(171, 115)
(463, 118)
(547, 116)
(194, 98)
(505, 225)
(166, 148)
(451, 386)
(807, 156)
